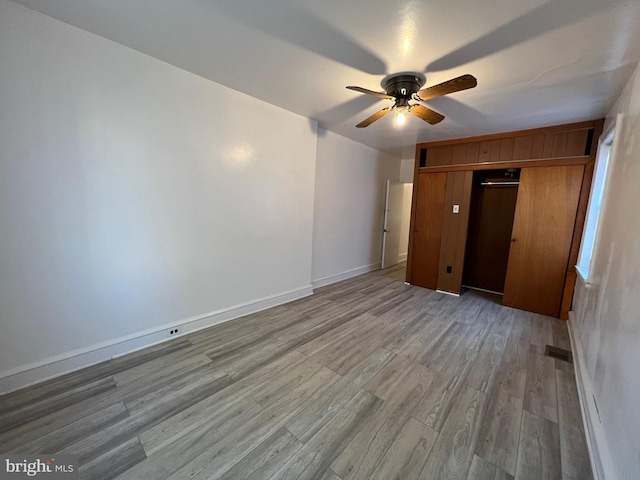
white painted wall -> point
(349, 207)
(407, 166)
(135, 195)
(605, 324)
(406, 220)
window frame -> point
(599, 186)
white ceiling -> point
(537, 63)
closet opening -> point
(493, 205)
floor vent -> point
(559, 353)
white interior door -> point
(392, 224)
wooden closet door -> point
(454, 231)
(541, 238)
(427, 229)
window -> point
(595, 203)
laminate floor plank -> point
(330, 475)
(211, 343)
(512, 374)
(64, 383)
(241, 364)
(477, 333)
(220, 457)
(483, 374)
(215, 446)
(560, 334)
(540, 392)
(146, 416)
(435, 406)
(234, 328)
(539, 452)
(356, 302)
(25, 433)
(363, 454)
(161, 367)
(44, 406)
(437, 352)
(390, 376)
(452, 452)
(393, 303)
(469, 308)
(315, 415)
(200, 377)
(498, 443)
(266, 459)
(215, 417)
(114, 462)
(367, 378)
(406, 455)
(482, 470)
(56, 440)
(75, 413)
(438, 304)
(541, 330)
(451, 361)
(312, 460)
(271, 392)
(331, 333)
(417, 329)
(573, 447)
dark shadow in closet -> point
(493, 206)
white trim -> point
(601, 463)
(68, 362)
(402, 257)
(448, 293)
(354, 272)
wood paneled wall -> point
(571, 143)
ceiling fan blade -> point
(426, 114)
(370, 92)
(376, 116)
(445, 88)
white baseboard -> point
(71, 361)
(448, 293)
(354, 272)
(601, 463)
(402, 257)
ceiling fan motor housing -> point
(403, 86)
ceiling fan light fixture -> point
(401, 116)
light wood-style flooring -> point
(367, 379)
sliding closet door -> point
(541, 238)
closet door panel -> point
(541, 238)
(454, 231)
(427, 231)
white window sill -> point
(583, 272)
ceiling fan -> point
(402, 87)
